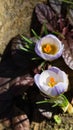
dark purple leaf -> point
(46, 15)
(68, 51)
(21, 84)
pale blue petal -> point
(54, 69)
(36, 80)
(58, 89)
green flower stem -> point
(70, 109)
(60, 101)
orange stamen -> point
(52, 79)
(47, 48)
(51, 82)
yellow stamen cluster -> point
(51, 82)
(47, 48)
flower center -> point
(49, 48)
(51, 82)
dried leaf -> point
(46, 15)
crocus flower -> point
(49, 47)
(52, 82)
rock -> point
(15, 18)
(1, 127)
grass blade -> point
(59, 34)
(40, 102)
(45, 29)
(35, 34)
(26, 39)
(24, 49)
(67, 1)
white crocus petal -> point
(43, 87)
(64, 78)
(53, 40)
(36, 80)
(61, 81)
